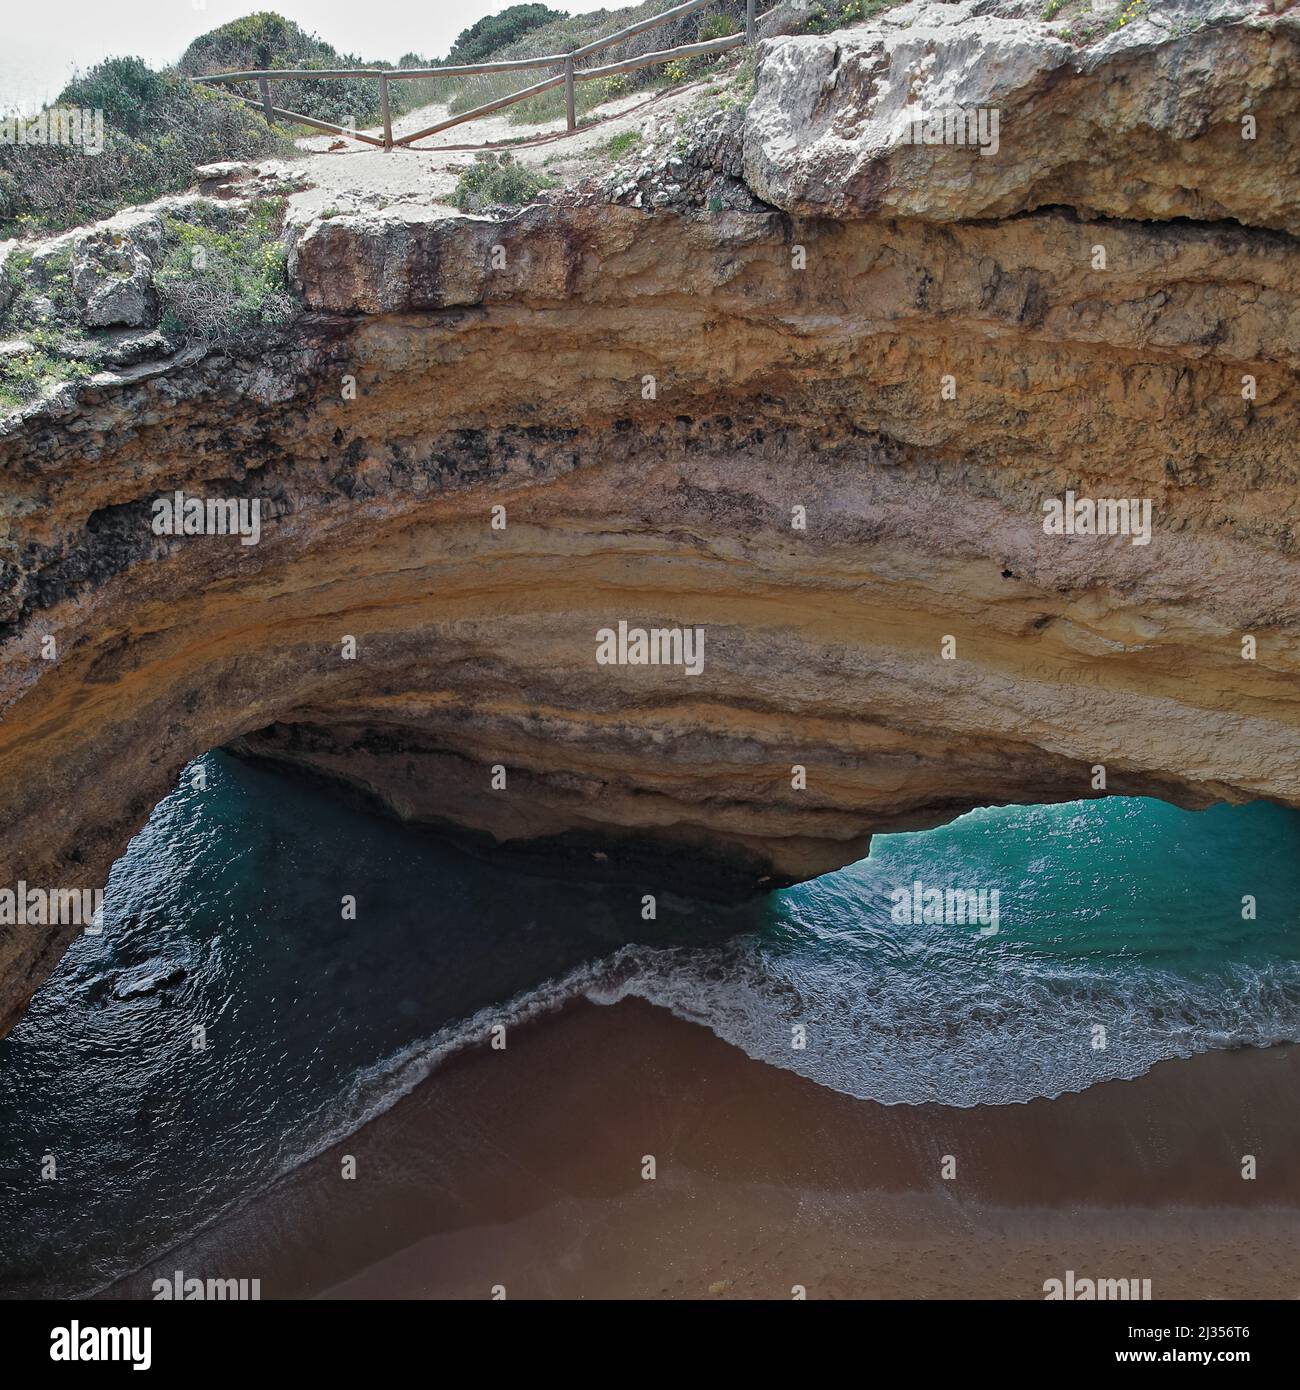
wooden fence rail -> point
(568, 76)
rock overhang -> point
(427, 385)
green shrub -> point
(262, 40)
(29, 312)
(157, 127)
(718, 26)
(623, 143)
(490, 181)
(819, 19)
(851, 11)
(477, 43)
(128, 91)
(26, 376)
(225, 284)
(563, 35)
(11, 196)
(1135, 10)
(746, 78)
(267, 41)
(827, 15)
(32, 375)
(550, 106)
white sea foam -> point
(887, 1035)
(900, 1035)
(377, 1088)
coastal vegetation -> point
(565, 33)
(159, 126)
(42, 348)
(493, 180)
(157, 129)
(266, 41)
(195, 271)
(223, 282)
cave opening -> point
(278, 966)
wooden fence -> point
(568, 76)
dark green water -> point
(225, 914)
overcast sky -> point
(43, 43)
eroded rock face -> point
(112, 268)
(658, 400)
(116, 295)
(1141, 125)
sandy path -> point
(359, 175)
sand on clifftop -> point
(350, 175)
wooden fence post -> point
(568, 76)
(385, 112)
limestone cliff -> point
(800, 312)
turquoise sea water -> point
(1121, 941)
(1122, 915)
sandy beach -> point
(522, 1169)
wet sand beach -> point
(523, 1169)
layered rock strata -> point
(810, 403)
